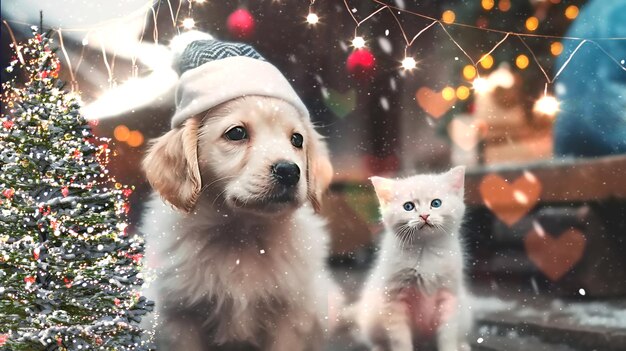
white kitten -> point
(416, 291)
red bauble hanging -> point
(240, 24)
(361, 63)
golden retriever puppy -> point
(240, 258)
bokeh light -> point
(486, 61)
(358, 42)
(312, 18)
(189, 23)
(571, 12)
(481, 85)
(462, 92)
(448, 16)
(532, 23)
(487, 4)
(522, 61)
(547, 105)
(556, 48)
(135, 138)
(121, 132)
(409, 63)
(448, 93)
(469, 72)
(504, 5)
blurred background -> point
(508, 88)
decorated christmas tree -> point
(69, 272)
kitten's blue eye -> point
(435, 203)
(408, 206)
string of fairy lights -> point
(546, 104)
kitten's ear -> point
(384, 189)
(457, 178)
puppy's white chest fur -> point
(247, 270)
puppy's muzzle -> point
(285, 173)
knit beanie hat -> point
(213, 72)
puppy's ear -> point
(171, 165)
(319, 169)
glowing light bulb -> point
(462, 92)
(532, 23)
(469, 72)
(358, 42)
(409, 63)
(481, 85)
(486, 61)
(189, 23)
(571, 12)
(448, 16)
(448, 93)
(547, 105)
(522, 61)
(312, 18)
(556, 48)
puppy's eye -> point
(236, 133)
(435, 203)
(408, 206)
(296, 140)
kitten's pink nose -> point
(424, 217)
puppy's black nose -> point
(286, 173)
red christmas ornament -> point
(29, 279)
(65, 191)
(240, 24)
(7, 124)
(36, 253)
(361, 63)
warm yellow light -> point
(522, 61)
(312, 18)
(462, 92)
(556, 48)
(487, 61)
(358, 42)
(200, 1)
(448, 93)
(571, 12)
(481, 85)
(532, 23)
(469, 72)
(448, 16)
(189, 23)
(547, 105)
(487, 4)
(409, 63)
(121, 132)
(135, 138)
(504, 5)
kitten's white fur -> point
(429, 260)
